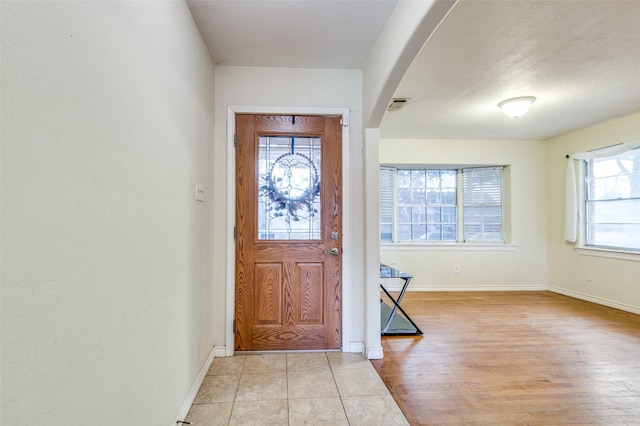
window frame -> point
(584, 246)
(426, 206)
(459, 242)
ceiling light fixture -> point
(516, 107)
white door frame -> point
(231, 210)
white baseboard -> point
(220, 351)
(182, 414)
(412, 287)
(356, 347)
(364, 350)
(594, 299)
(374, 352)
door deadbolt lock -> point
(334, 235)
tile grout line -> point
(341, 365)
(235, 395)
(286, 381)
(338, 389)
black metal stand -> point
(392, 324)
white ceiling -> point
(291, 33)
(581, 59)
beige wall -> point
(523, 265)
(107, 120)
(615, 282)
(114, 279)
(285, 89)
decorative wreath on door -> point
(288, 199)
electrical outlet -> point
(589, 276)
(456, 268)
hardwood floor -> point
(514, 358)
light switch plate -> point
(199, 191)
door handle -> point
(333, 252)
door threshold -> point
(301, 351)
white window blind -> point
(482, 204)
(387, 202)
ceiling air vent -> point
(397, 103)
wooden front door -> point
(288, 293)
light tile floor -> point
(332, 388)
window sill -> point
(608, 253)
(447, 247)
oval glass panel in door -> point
(289, 188)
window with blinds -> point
(387, 202)
(482, 204)
(445, 205)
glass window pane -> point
(433, 196)
(404, 215)
(419, 232)
(418, 215)
(404, 196)
(634, 181)
(404, 232)
(435, 233)
(448, 232)
(449, 196)
(619, 211)
(625, 236)
(621, 164)
(449, 215)
(417, 178)
(289, 188)
(614, 187)
(417, 196)
(404, 179)
(448, 178)
(613, 201)
(433, 179)
(434, 215)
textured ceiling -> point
(581, 59)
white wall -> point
(521, 267)
(290, 88)
(107, 120)
(406, 31)
(615, 282)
